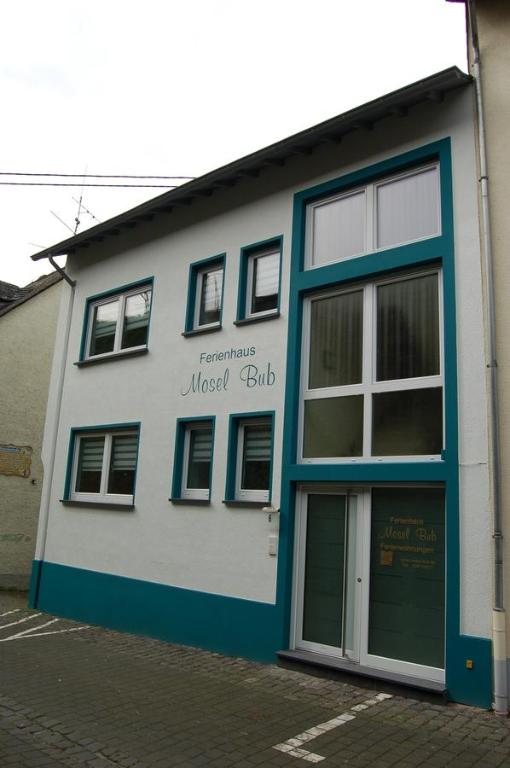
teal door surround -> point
(468, 685)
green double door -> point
(371, 577)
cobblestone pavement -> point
(92, 698)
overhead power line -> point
(80, 184)
(93, 175)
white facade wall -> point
(217, 548)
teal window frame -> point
(99, 500)
(469, 686)
(192, 305)
(180, 460)
(105, 297)
(236, 420)
(247, 257)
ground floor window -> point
(370, 577)
(103, 465)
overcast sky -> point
(179, 87)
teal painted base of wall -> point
(470, 686)
(228, 625)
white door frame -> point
(361, 592)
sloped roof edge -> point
(39, 285)
(432, 88)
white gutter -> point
(498, 611)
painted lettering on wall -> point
(250, 377)
(234, 353)
(201, 384)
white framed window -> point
(400, 209)
(372, 378)
(254, 459)
(104, 466)
(118, 322)
(262, 282)
(209, 296)
(197, 460)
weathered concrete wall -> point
(27, 335)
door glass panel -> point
(408, 329)
(407, 565)
(336, 340)
(324, 570)
(333, 427)
(338, 229)
(408, 423)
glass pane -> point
(90, 464)
(102, 338)
(136, 320)
(333, 427)
(256, 457)
(199, 463)
(408, 423)
(336, 334)
(210, 297)
(324, 570)
(408, 208)
(123, 464)
(338, 229)
(407, 564)
(266, 276)
(408, 329)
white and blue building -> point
(267, 429)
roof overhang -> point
(398, 102)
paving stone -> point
(102, 699)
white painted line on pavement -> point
(293, 747)
(34, 631)
(24, 636)
(20, 621)
(8, 613)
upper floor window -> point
(259, 281)
(205, 295)
(118, 322)
(373, 372)
(383, 214)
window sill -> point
(112, 356)
(257, 318)
(192, 502)
(245, 503)
(96, 504)
(198, 331)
